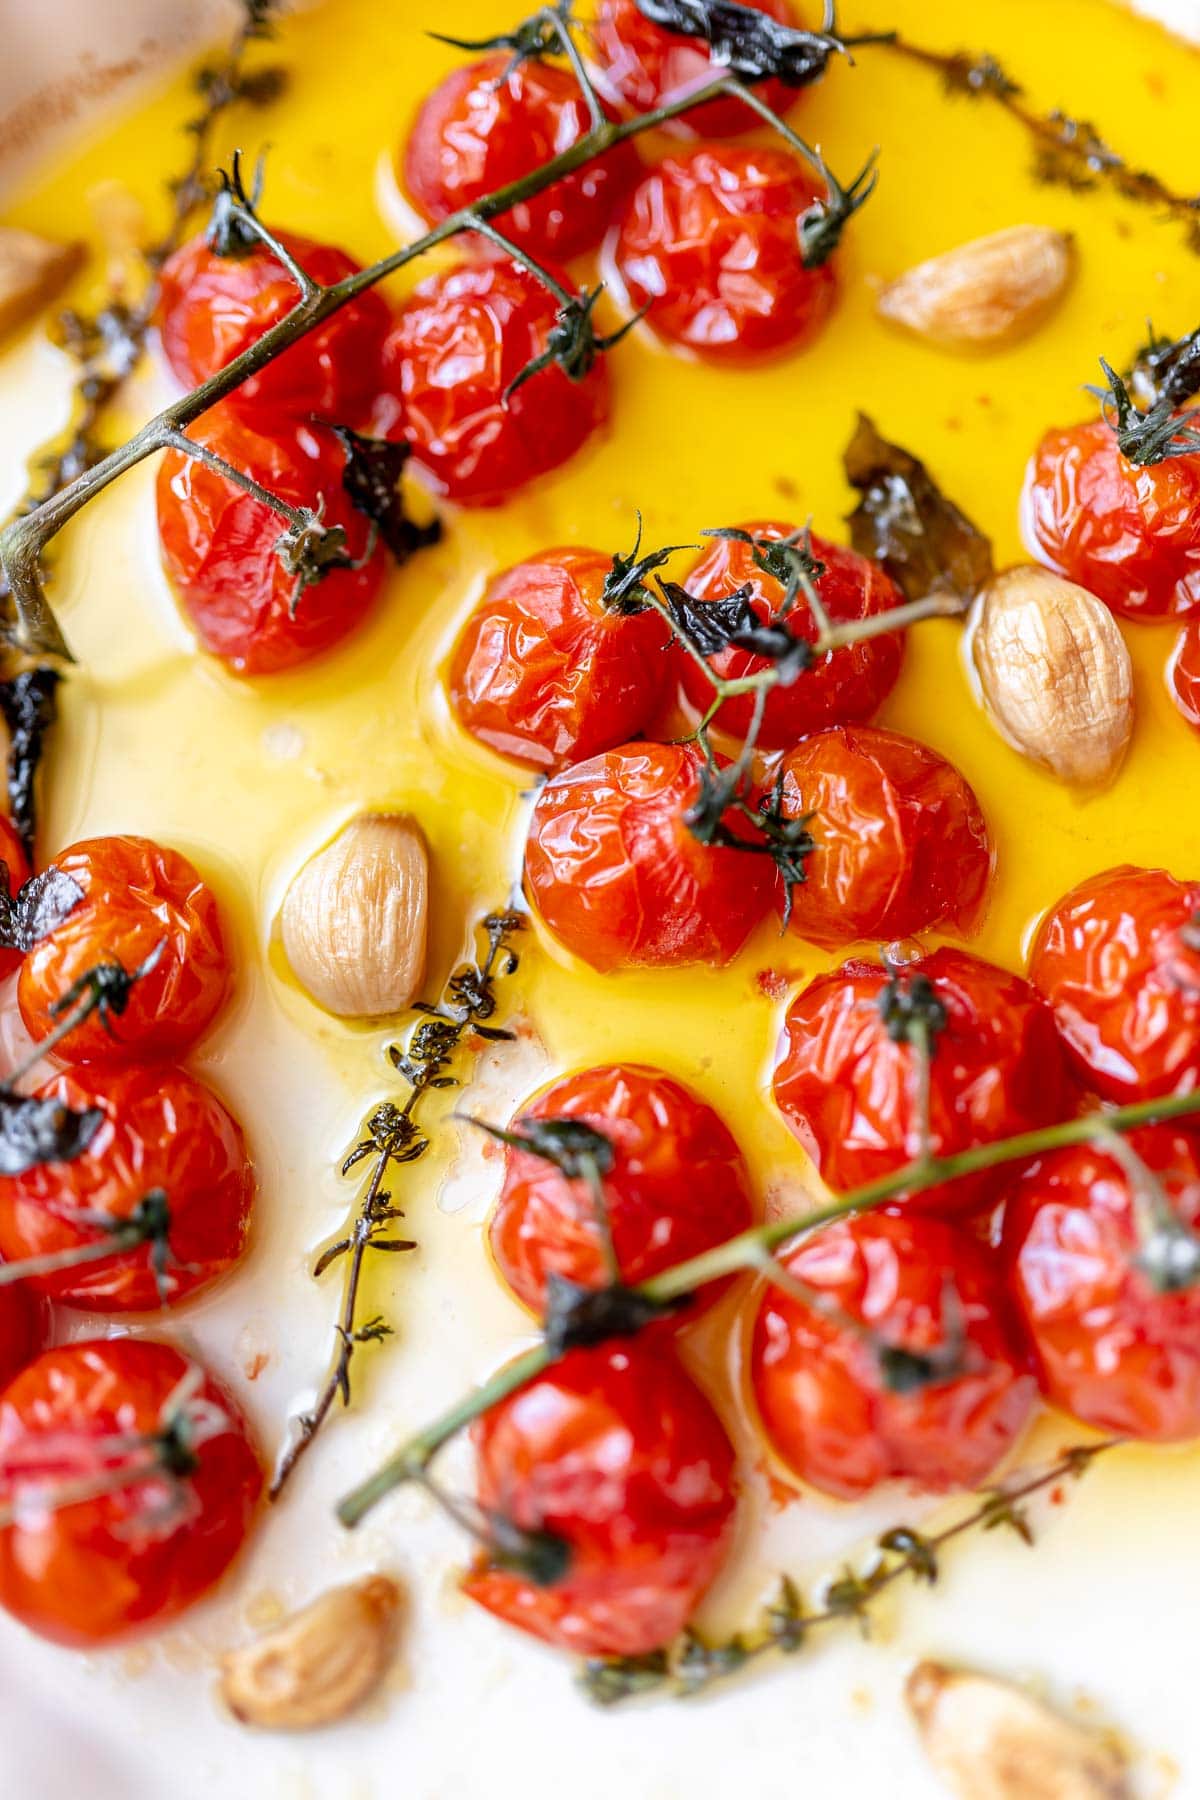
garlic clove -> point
(984, 294)
(320, 1664)
(32, 271)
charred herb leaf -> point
(579, 1316)
(624, 588)
(42, 1131)
(907, 524)
(371, 478)
(29, 703)
(37, 908)
(1147, 437)
(709, 625)
(750, 44)
(1166, 369)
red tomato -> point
(825, 1405)
(22, 1328)
(678, 1185)
(617, 1452)
(161, 1129)
(845, 685)
(643, 65)
(902, 844)
(16, 866)
(1114, 960)
(1108, 1347)
(461, 340)
(709, 241)
(483, 129)
(1184, 674)
(219, 544)
(137, 895)
(211, 308)
(849, 1092)
(546, 673)
(1131, 535)
(142, 1552)
(618, 877)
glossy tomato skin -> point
(1130, 535)
(823, 1402)
(620, 880)
(16, 864)
(902, 845)
(1108, 1348)
(1184, 674)
(136, 896)
(161, 1129)
(709, 242)
(219, 544)
(546, 673)
(845, 686)
(1113, 961)
(212, 307)
(638, 63)
(95, 1571)
(460, 342)
(24, 1319)
(678, 1185)
(488, 125)
(848, 1091)
(616, 1451)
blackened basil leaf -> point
(372, 480)
(42, 1131)
(907, 524)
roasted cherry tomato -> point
(619, 878)
(709, 241)
(1130, 534)
(642, 65)
(901, 842)
(677, 1185)
(23, 1319)
(845, 685)
(16, 868)
(1110, 1347)
(462, 340)
(546, 673)
(220, 544)
(830, 1409)
(616, 1453)
(849, 1089)
(212, 307)
(90, 1569)
(1119, 961)
(1184, 674)
(139, 900)
(489, 124)
(161, 1129)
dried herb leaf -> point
(578, 1316)
(371, 478)
(29, 704)
(907, 524)
(750, 44)
(35, 911)
(42, 1131)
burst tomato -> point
(1184, 674)
(901, 842)
(820, 1386)
(618, 877)
(138, 898)
(546, 673)
(1109, 1347)
(140, 1552)
(488, 125)
(617, 1453)
(16, 870)
(845, 685)
(212, 307)
(849, 1090)
(161, 1129)
(639, 63)
(709, 242)
(461, 341)
(1118, 959)
(22, 1328)
(219, 544)
(678, 1185)
(1129, 534)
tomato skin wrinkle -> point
(546, 674)
(641, 65)
(619, 879)
(1129, 534)
(137, 895)
(848, 684)
(708, 241)
(821, 1397)
(102, 1568)
(1113, 960)
(482, 129)
(616, 1451)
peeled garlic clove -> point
(984, 294)
(1055, 673)
(320, 1664)
(32, 271)
(355, 920)
(990, 1741)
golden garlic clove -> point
(318, 1666)
(984, 294)
(1055, 673)
(32, 271)
(355, 920)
